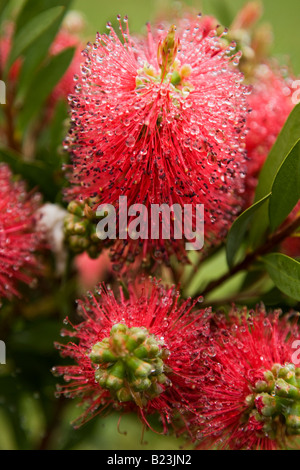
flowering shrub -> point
(159, 171)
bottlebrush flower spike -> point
(251, 395)
(19, 238)
(139, 354)
(160, 120)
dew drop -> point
(130, 141)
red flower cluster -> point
(249, 398)
(137, 354)
(160, 121)
(18, 236)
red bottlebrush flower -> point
(249, 398)
(271, 105)
(18, 236)
(139, 354)
(160, 121)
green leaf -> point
(210, 269)
(286, 140)
(286, 188)
(31, 32)
(3, 6)
(44, 82)
(9, 8)
(31, 9)
(38, 51)
(37, 336)
(239, 229)
(36, 173)
(284, 272)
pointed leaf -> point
(31, 32)
(239, 229)
(286, 140)
(31, 9)
(38, 51)
(36, 173)
(286, 188)
(44, 82)
(284, 272)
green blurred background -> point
(282, 15)
(102, 433)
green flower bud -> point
(101, 353)
(131, 364)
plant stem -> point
(53, 424)
(271, 243)
(10, 127)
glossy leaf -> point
(286, 140)
(31, 32)
(239, 228)
(36, 173)
(44, 82)
(38, 51)
(286, 188)
(285, 273)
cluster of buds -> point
(131, 364)
(80, 228)
(275, 401)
